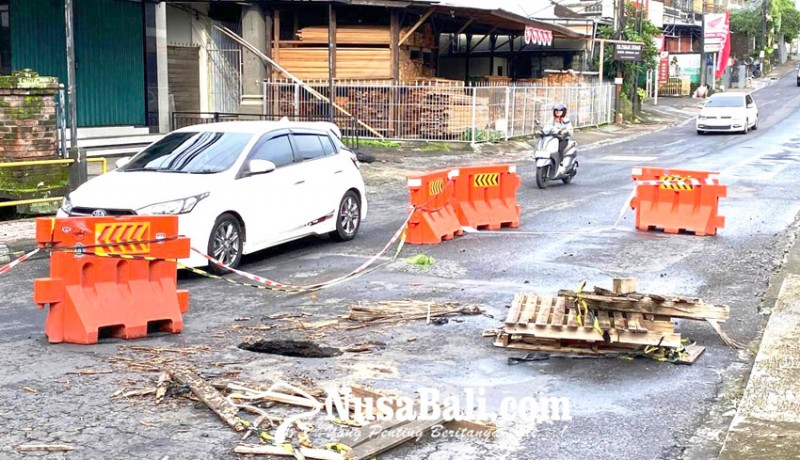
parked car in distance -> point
(798, 75)
(728, 112)
(236, 187)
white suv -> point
(237, 187)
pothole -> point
(293, 348)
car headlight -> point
(66, 205)
(181, 206)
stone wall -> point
(28, 131)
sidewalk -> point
(767, 421)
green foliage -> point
(783, 18)
(642, 93)
(482, 135)
(374, 143)
(746, 22)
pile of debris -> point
(603, 322)
(365, 437)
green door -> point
(109, 54)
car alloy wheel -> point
(226, 243)
(348, 219)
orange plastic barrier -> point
(108, 275)
(677, 199)
(433, 219)
(486, 196)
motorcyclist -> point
(564, 127)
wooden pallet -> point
(558, 318)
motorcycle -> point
(548, 164)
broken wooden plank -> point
(45, 448)
(624, 285)
(543, 316)
(587, 334)
(391, 438)
(210, 396)
(691, 353)
(647, 305)
(635, 323)
(162, 386)
(279, 451)
(558, 312)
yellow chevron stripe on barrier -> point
(127, 238)
(676, 183)
(486, 180)
(436, 187)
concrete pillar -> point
(161, 66)
(255, 31)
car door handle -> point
(300, 182)
(339, 171)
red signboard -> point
(663, 70)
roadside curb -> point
(767, 418)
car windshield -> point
(725, 102)
(191, 152)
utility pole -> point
(764, 40)
(703, 44)
(619, 36)
(77, 170)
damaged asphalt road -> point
(564, 238)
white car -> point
(237, 187)
(728, 112)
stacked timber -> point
(605, 322)
(446, 115)
(423, 37)
(311, 63)
(347, 35)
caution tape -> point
(400, 235)
(9, 266)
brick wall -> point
(28, 131)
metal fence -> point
(347, 125)
(443, 111)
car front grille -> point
(716, 127)
(108, 212)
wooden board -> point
(624, 285)
(572, 317)
(311, 63)
(588, 334)
(390, 438)
(210, 396)
(635, 322)
(619, 321)
(672, 307)
(602, 318)
(516, 309)
(693, 352)
(543, 315)
(528, 309)
(558, 313)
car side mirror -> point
(260, 167)
(122, 162)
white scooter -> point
(548, 164)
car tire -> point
(225, 243)
(348, 217)
(746, 128)
(755, 125)
(700, 132)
